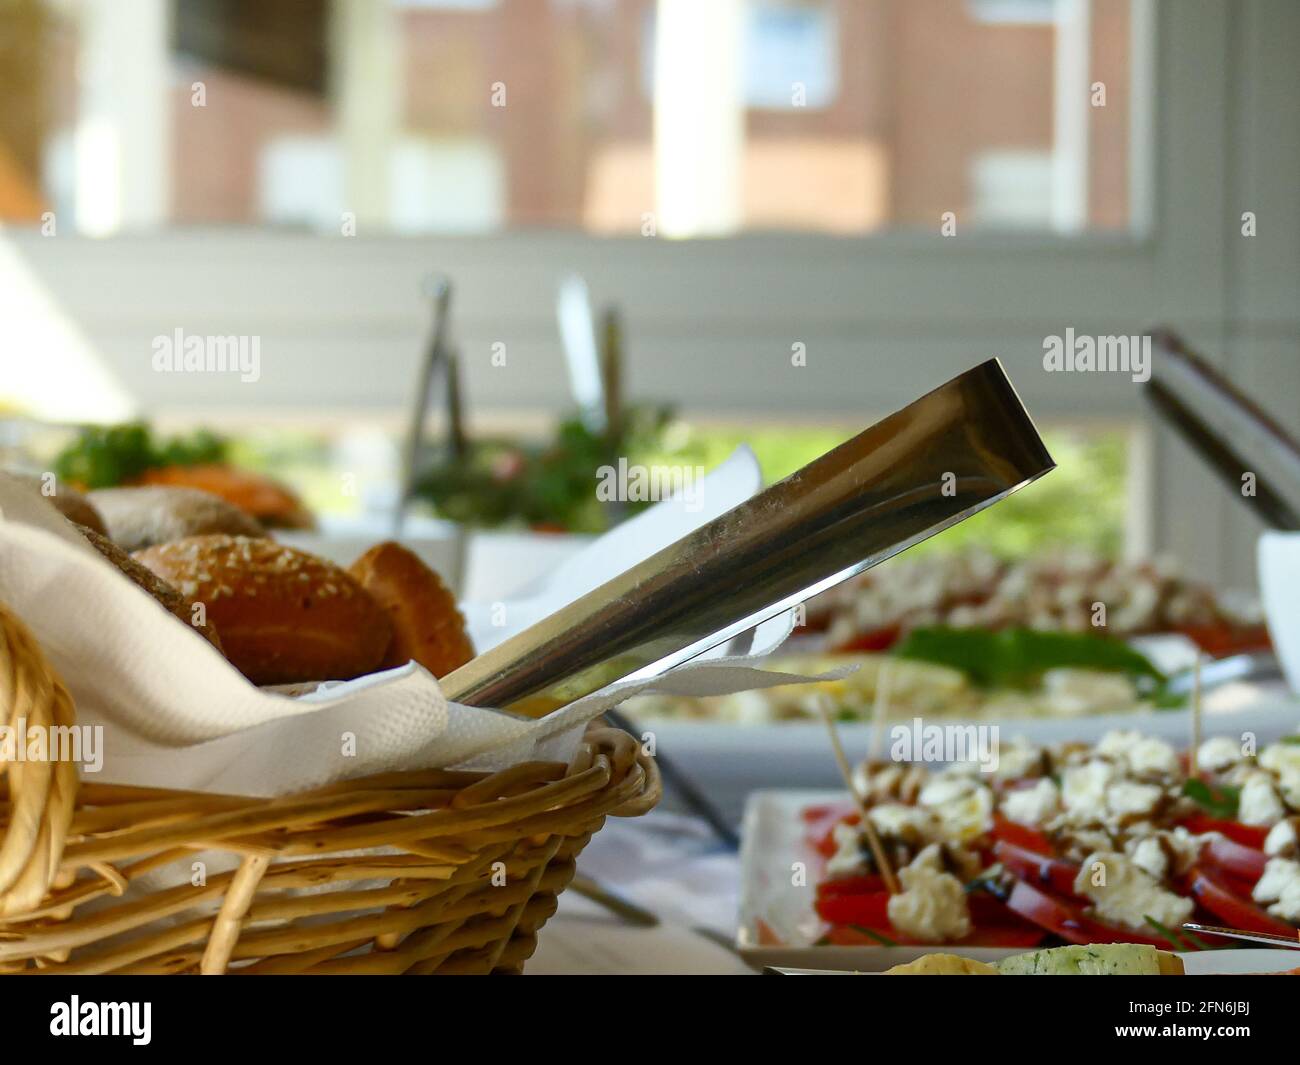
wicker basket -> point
(433, 871)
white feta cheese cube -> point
(1218, 753)
(1034, 805)
(1260, 804)
(1127, 797)
(1282, 840)
(932, 905)
(1281, 758)
(1083, 788)
(1123, 893)
(1280, 885)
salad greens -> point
(105, 456)
(552, 486)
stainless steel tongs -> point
(924, 468)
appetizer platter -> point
(792, 753)
(1055, 591)
(952, 673)
(1121, 841)
(972, 636)
(972, 639)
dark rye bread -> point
(139, 517)
(141, 575)
(284, 615)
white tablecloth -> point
(668, 864)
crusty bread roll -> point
(136, 518)
(270, 502)
(67, 501)
(145, 578)
(284, 616)
(427, 626)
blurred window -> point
(608, 116)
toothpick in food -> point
(873, 840)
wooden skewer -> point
(873, 840)
(1193, 767)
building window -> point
(616, 117)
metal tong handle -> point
(952, 452)
(1231, 432)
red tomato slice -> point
(1232, 857)
(822, 836)
(987, 910)
(875, 640)
(1040, 870)
(1066, 920)
(1218, 639)
(870, 910)
(1054, 915)
(845, 936)
(997, 926)
(1020, 935)
(1215, 895)
(1021, 836)
(851, 885)
(826, 812)
(1247, 835)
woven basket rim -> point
(74, 856)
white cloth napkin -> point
(174, 713)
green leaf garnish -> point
(1200, 944)
(884, 941)
(1017, 658)
(1169, 934)
(1167, 700)
(1221, 802)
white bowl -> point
(1279, 585)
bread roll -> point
(427, 626)
(270, 502)
(284, 616)
(67, 501)
(145, 578)
(136, 518)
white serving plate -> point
(1250, 961)
(1240, 961)
(772, 840)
